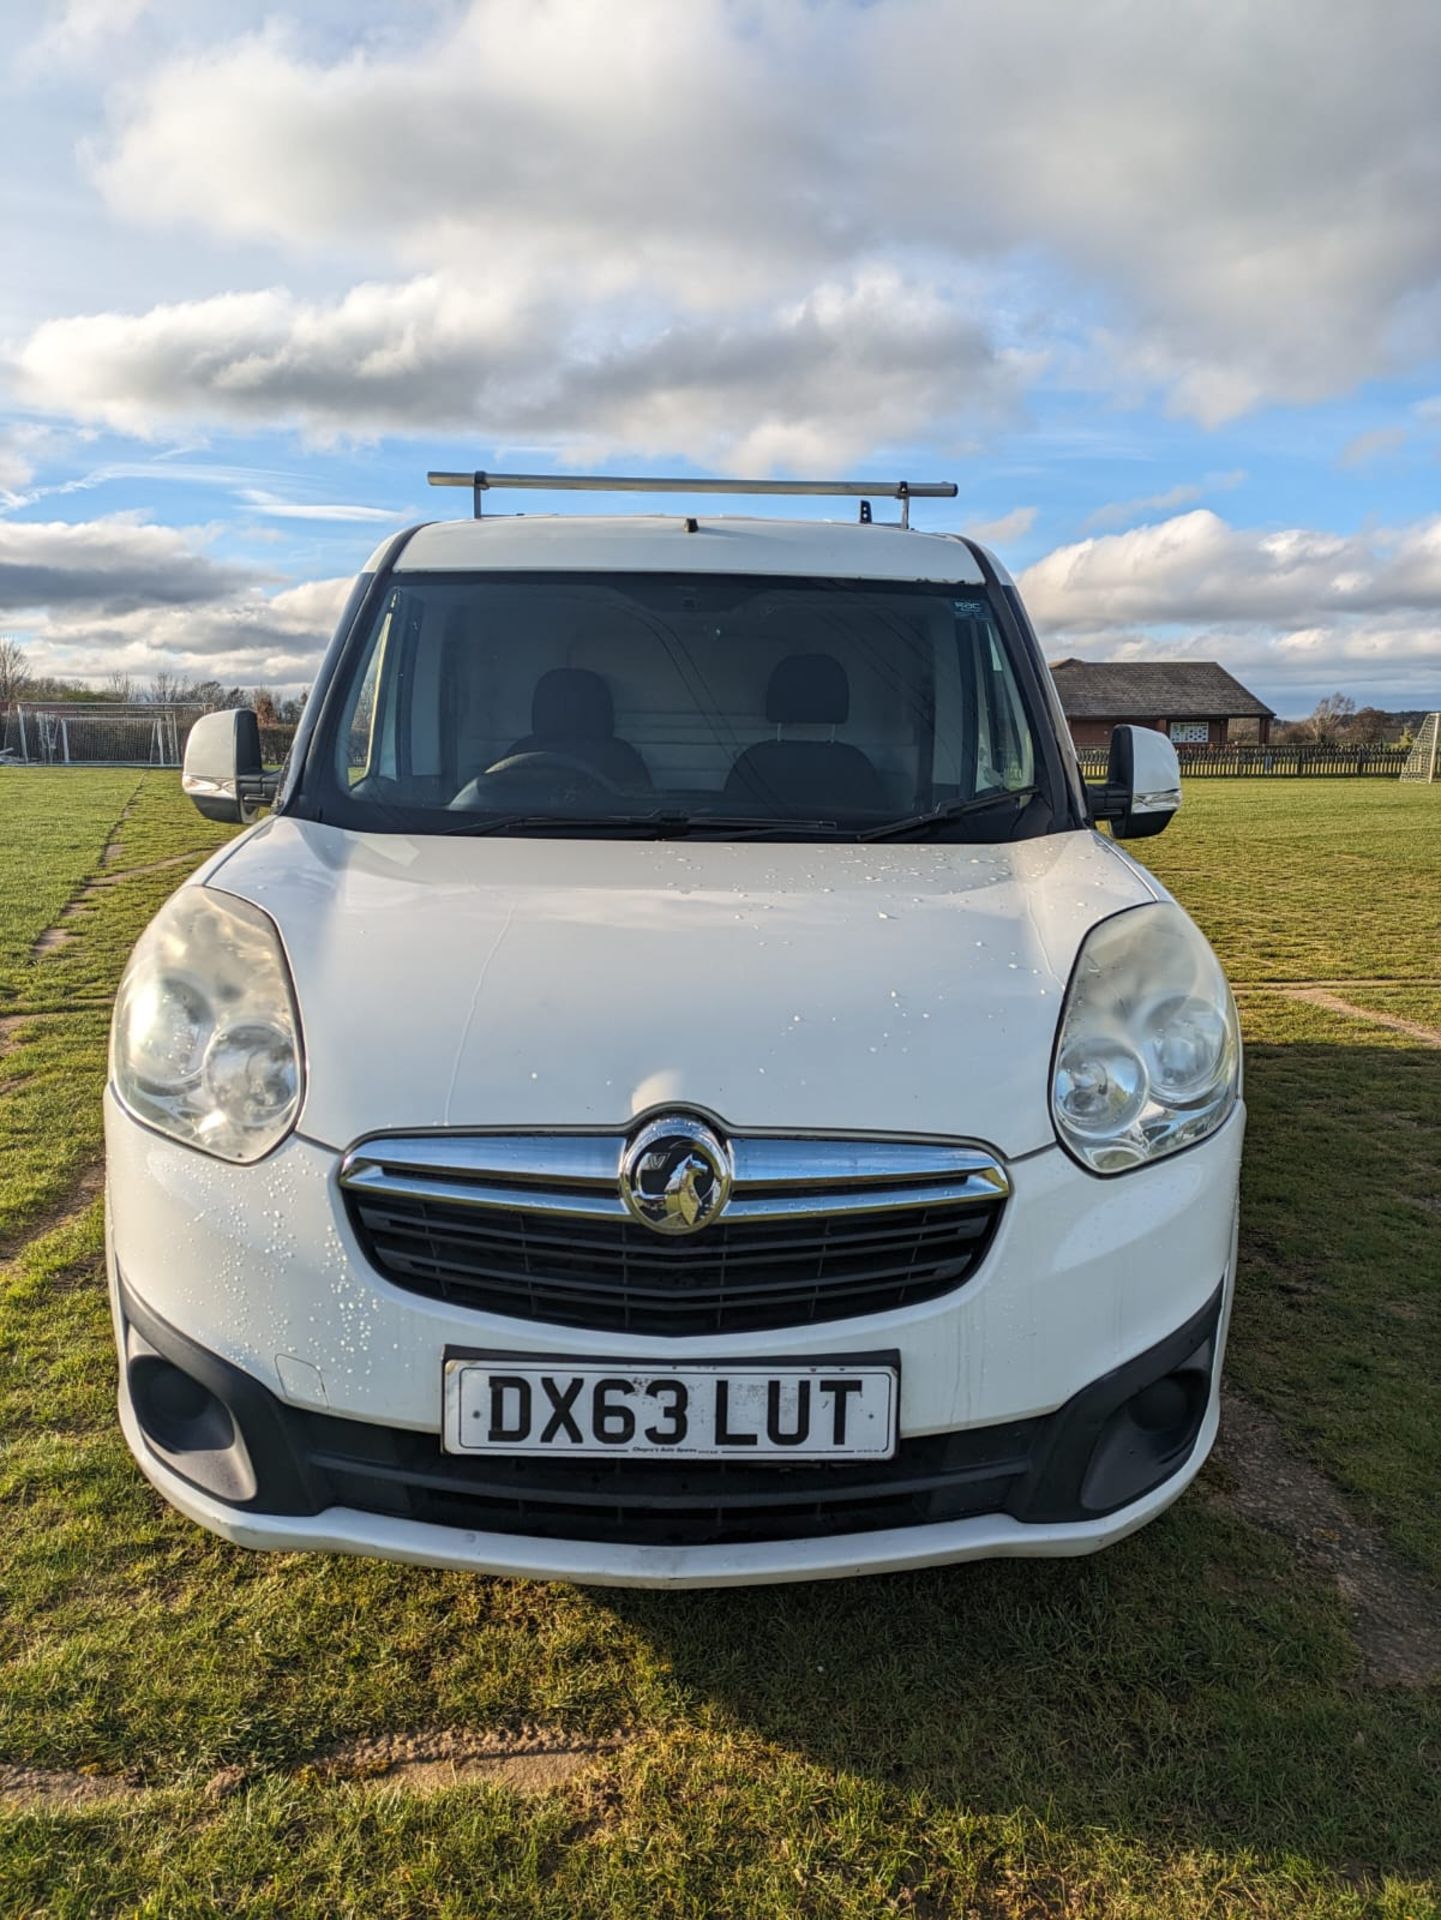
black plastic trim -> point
(1080, 1463)
(1064, 1469)
(285, 1482)
(616, 1277)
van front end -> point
(678, 1091)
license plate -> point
(771, 1411)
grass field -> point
(1236, 1712)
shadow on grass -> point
(1196, 1684)
(1188, 1689)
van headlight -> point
(205, 1044)
(1149, 1055)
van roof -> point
(660, 543)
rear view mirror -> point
(1143, 784)
(222, 772)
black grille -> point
(936, 1477)
(616, 1274)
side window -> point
(360, 737)
(1005, 751)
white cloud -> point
(1252, 200)
(872, 362)
(1014, 525)
(249, 638)
(117, 564)
(1292, 607)
(91, 596)
(259, 501)
(1198, 568)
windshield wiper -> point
(743, 826)
(942, 816)
(659, 825)
(562, 822)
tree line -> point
(163, 688)
(1336, 721)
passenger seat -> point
(804, 777)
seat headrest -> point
(572, 703)
(809, 687)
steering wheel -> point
(538, 760)
(546, 759)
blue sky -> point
(1163, 297)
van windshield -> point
(712, 704)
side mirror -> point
(222, 772)
(1143, 784)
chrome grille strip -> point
(776, 1177)
(554, 1159)
(780, 1162)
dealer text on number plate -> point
(791, 1411)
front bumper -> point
(381, 1537)
(230, 1456)
(1091, 1290)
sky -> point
(1158, 286)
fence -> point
(1285, 761)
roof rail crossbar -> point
(905, 491)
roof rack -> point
(905, 491)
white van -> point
(677, 1090)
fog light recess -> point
(1146, 1439)
(186, 1425)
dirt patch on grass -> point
(65, 930)
(1395, 1614)
(110, 852)
(60, 934)
(53, 937)
(94, 889)
(1393, 1022)
(38, 1790)
(535, 1760)
(1351, 980)
(117, 876)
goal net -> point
(1424, 760)
(74, 733)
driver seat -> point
(572, 713)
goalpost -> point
(95, 733)
(1424, 760)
